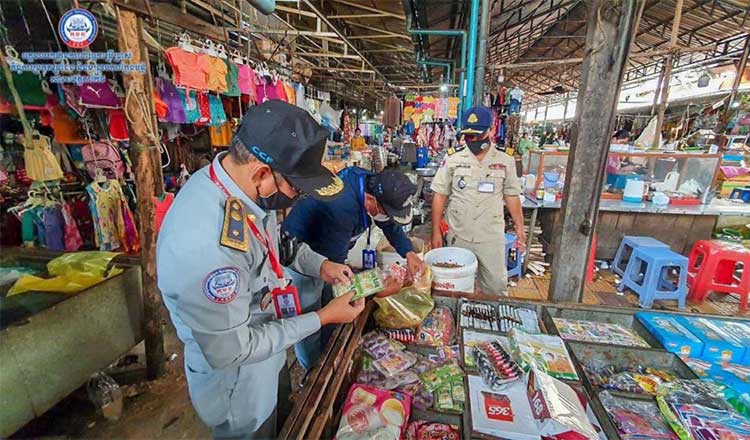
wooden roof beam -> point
(370, 9)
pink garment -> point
(732, 172)
(132, 244)
(73, 240)
(99, 95)
(263, 90)
(72, 95)
(613, 164)
(244, 80)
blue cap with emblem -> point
(290, 141)
(477, 120)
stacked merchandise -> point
(601, 332)
(427, 109)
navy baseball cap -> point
(287, 139)
(477, 120)
(395, 192)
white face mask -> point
(381, 218)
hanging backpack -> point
(104, 156)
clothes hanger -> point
(161, 70)
(185, 43)
(221, 51)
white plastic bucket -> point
(458, 279)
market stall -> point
(692, 210)
(53, 342)
(613, 362)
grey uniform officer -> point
(470, 188)
(217, 267)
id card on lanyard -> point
(285, 299)
(369, 255)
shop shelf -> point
(624, 317)
(619, 357)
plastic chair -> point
(653, 282)
(712, 266)
(628, 244)
(513, 260)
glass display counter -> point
(663, 171)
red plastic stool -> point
(715, 270)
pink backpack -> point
(104, 156)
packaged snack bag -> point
(544, 352)
(557, 409)
(370, 413)
(363, 284)
(437, 328)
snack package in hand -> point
(372, 413)
(409, 307)
(437, 328)
(363, 284)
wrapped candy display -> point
(372, 413)
(403, 335)
(495, 365)
(420, 398)
(388, 355)
(636, 379)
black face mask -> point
(277, 200)
(476, 147)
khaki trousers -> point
(492, 274)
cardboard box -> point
(718, 345)
(740, 331)
(672, 334)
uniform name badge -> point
(486, 187)
(369, 258)
(286, 302)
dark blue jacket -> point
(331, 228)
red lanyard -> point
(265, 242)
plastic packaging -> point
(372, 413)
(363, 284)
(441, 375)
(106, 395)
(437, 328)
(407, 308)
(71, 273)
(421, 399)
(636, 419)
(495, 365)
(545, 352)
(450, 396)
(557, 408)
(425, 430)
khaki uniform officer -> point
(470, 188)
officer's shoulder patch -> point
(456, 149)
(222, 285)
(234, 231)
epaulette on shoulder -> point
(235, 231)
(456, 149)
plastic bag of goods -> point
(372, 413)
(557, 409)
(409, 307)
(71, 273)
(437, 328)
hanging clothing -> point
(392, 112)
(190, 69)
(281, 91)
(205, 109)
(160, 107)
(245, 79)
(299, 95)
(72, 94)
(232, 80)
(73, 240)
(161, 206)
(41, 164)
(170, 95)
(109, 210)
(29, 87)
(291, 96)
(221, 135)
(453, 108)
(98, 95)
(65, 129)
(54, 228)
(217, 74)
(216, 108)
(190, 106)
(118, 128)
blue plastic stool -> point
(630, 243)
(514, 265)
(652, 281)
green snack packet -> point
(363, 284)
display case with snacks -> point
(676, 173)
